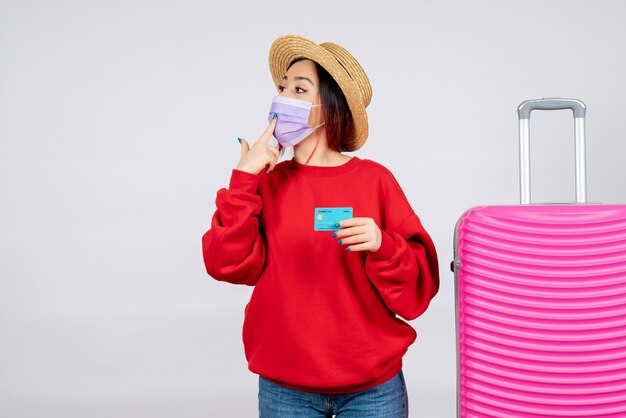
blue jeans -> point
(387, 400)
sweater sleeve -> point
(405, 269)
(234, 249)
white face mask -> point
(292, 125)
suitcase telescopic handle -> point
(579, 110)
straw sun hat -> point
(341, 66)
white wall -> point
(119, 123)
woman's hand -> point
(262, 153)
(360, 233)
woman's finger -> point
(349, 231)
(267, 134)
(360, 247)
(357, 239)
(244, 147)
(358, 221)
(273, 159)
(274, 152)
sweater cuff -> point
(387, 248)
(242, 180)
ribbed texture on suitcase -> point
(541, 305)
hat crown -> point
(353, 68)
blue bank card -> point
(326, 218)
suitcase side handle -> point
(579, 110)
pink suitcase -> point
(541, 300)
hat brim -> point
(287, 48)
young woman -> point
(330, 242)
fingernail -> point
(339, 242)
(336, 225)
(239, 139)
(334, 235)
(347, 248)
(275, 116)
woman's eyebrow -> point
(299, 77)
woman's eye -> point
(297, 89)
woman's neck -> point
(315, 150)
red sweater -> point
(321, 318)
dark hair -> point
(337, 117)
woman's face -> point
(301, 82)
